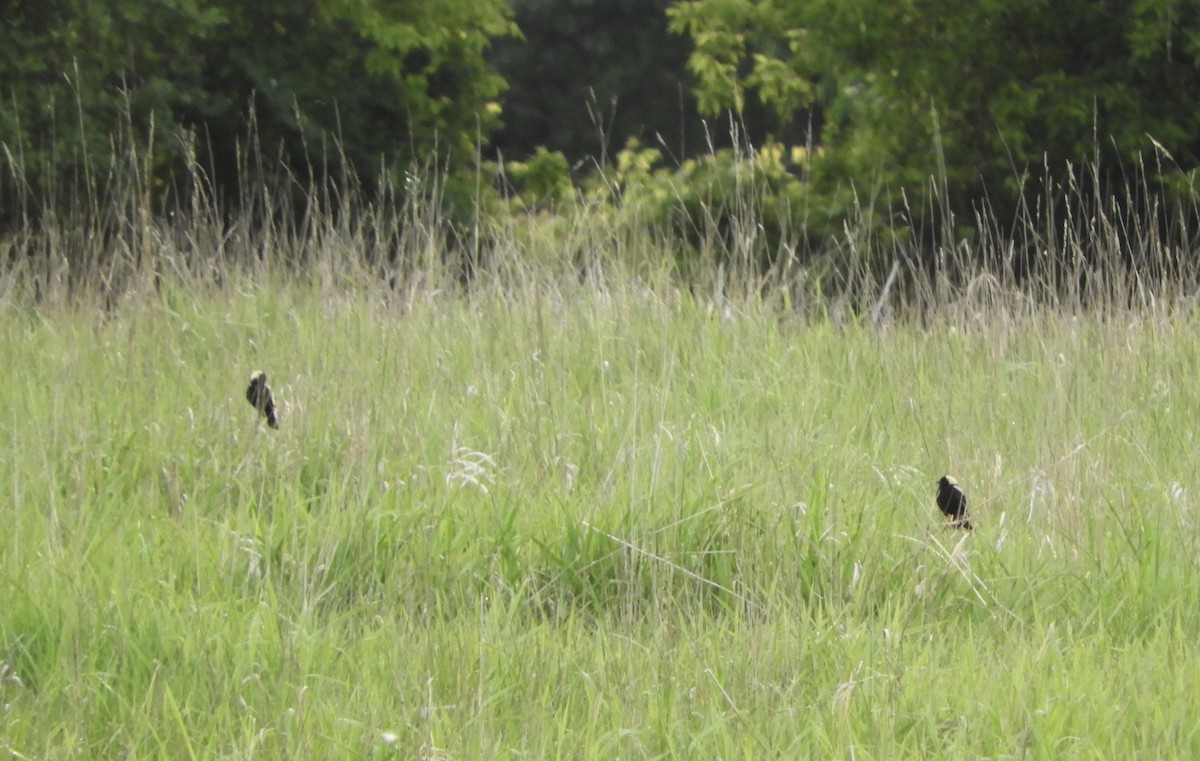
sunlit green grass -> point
(591, 522)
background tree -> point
(977, 94)
(391, 82)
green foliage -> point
(743, 205)
(542, 181)
(65, 65)
(375, 83)
(977, 96)
(741, 46)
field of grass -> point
(583, 521)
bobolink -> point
(259, 396)
(953, 503)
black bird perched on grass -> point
(259, 396)
(953, 503)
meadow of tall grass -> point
(563, 503)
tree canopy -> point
(388, 82)
(976, 92)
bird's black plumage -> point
(259, 396)
(953, 502)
